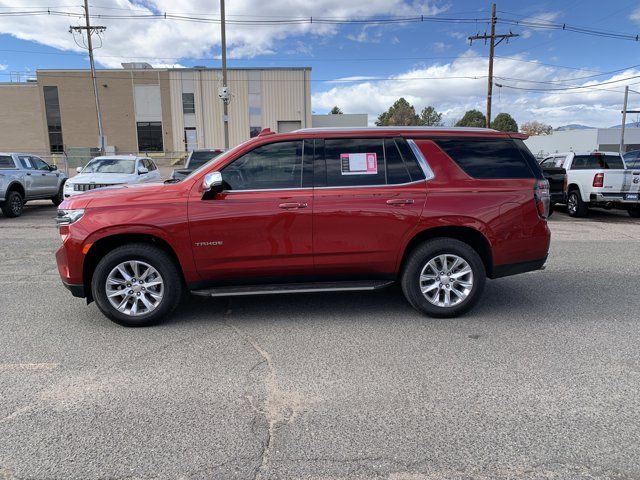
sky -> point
(550, 75)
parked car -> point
(599, 179)
(196, 159)
(25, 177)
(112, 170)
(556, 175)
(632, 159)
(436, 210)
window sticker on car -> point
(359, 163)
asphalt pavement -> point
(542, 380)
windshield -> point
(110, 165)
(633, 163)
(198, 159)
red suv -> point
(437, 210)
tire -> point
(169, 291)
(419, 263)
(59, 198)
(13, 204)
(575, 206)
(634, 212)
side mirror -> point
(53, 168)
(211, 185)
(79, 169)
(143, 170)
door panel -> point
(358, 231)
(369, 206)
(259, 227)
(247, 235)
(48, 179)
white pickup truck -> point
(599, 179)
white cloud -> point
(446, 87)
(165, 40)
(3, 66)
(540, 18)
(441, 46)
(635, 15)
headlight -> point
(68, 186)
(67, 217)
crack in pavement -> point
(279, 408)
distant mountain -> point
(573, 126)
(628, 125)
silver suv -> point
(26, 177)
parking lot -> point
(542, 380)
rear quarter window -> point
(6, 162)
(488, 158)
(597, 162)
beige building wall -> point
(21, 119)
(286, 97)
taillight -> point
(542, 197)
(598, 180)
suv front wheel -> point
(443, 277)
(136, 285)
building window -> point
(188, 103)
(54, 121)
(150, 136)
(255, 102)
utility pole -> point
(492, 45)
(624, 118)
(90, 31)
(224, 94)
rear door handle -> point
(28, 174)
(400, 201)
(292, 205)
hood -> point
(116, 195)
(103, 178)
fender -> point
(184, 254)
(453, 221)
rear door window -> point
(6, 162)
(26, 162)
(355, 162)
(487, 158)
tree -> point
(429, 117)
(504, 123)
(400, 113)
(336, 111)
(536, 128)
(472, 118)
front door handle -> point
(292, 205)
(400, 201)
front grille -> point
(83, 187)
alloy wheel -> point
(446, 280)
(134, 288)
(16, 204)
(572, 203)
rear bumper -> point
(509, 269)
(76, 290)
(613, 198)
(558, 197)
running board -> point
(292, 288)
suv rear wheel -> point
(13, 204)
(443, 277)
(575, 206)
(136, 285)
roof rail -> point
(266, 131)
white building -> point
(605, 139)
